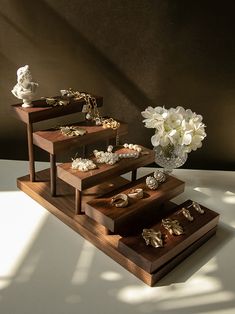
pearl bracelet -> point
(133, 146)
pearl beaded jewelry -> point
(133, 146)
(83, 164)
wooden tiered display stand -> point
(82, 200)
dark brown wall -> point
(134, 53)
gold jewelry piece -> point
(173, 226)
(110, 124)
(198, 208)
(187, 214)
(120, 200)
(151, 183)
(90, 107)
(159, 176)
(152, 237)
(72, 131)
(56, 101)
(136, 194)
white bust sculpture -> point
(25, 88)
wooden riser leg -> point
(78, 202)
(84, 151)
(134, 175)
(53, 174)
(31, 152)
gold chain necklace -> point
(90, 108)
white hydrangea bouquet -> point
(177, 133)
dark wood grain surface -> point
(150, 258)
(138, 211)
(53, 141)
(62, 207)
(41, 111)
(82, 180)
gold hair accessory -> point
(173, 226)
(187, 214)
(72, 131)
(152, 237)
(120, 200)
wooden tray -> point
(82, 180)
(62, 207)
(150, 258)
(41, 111)
(53, 141)
(138, 212)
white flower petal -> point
(187, 139)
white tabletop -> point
(45, 267)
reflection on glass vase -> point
(170, 157)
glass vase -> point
(170, 157)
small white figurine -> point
(25, 88)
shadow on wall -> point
(150, 53)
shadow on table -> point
(200, 257)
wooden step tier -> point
(82, 180)
(138, 213)
(62, 207)
(65, 196)
(150, 258)
(53, 141)
(42, 111)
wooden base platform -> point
(62, 206)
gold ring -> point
(136, 194)
(120, 200)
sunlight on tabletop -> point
(200, 289)
(81, 273)
(111, 276)
(196, 286)
(207, 299)
(21, 221)
(205, 191)
(222, 311)
(229, 197)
